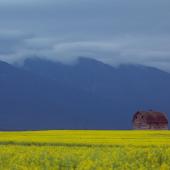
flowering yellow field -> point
(85, 150)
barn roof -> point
(152, 116)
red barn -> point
(150, 120)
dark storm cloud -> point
(113, 31)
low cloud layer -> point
(112, 31)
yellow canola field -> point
(85, 150)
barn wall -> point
(140, 126)
(145, 126)
(159, 126)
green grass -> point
(85, 150)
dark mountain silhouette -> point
(43, 94)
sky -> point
(112, 31)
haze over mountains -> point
(42, 94)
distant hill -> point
(42, 94)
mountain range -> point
(42, 94)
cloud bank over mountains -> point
(113, 31)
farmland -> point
(85, 150)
